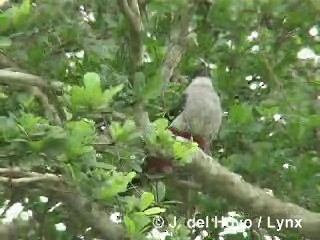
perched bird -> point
(199, 119)
(201, 116)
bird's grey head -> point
(201, 81)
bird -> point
(201, 117)
(199, 120)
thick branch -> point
(217, 180)
(177, 48)
(17, 177)
(12, 78)
(98, 218)
(132, 14)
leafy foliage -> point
(271, 98)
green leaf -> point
(141, 221)
(4, 22)
(153, 87)
(4, 41)
(161, 124)
(8, 128)
(160, 191)
(124, 132)
(56, 132)
(78, 98)
(91, 80)
(241, 114)
(154, 211)
(82, 131)
(36, 145)
(146, 89)
(268, 110)
(91, 97)
(81, 134)
(110, 93)
(146, 200)
(183, 150)
(32, 124)
(131, 202)
(18, 15)
(37, 53)
(116, 183)
(3, 96)
(130, 225)
(314, 120)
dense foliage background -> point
(77, 120)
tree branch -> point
(36, 86)
(12, 78)
(98, 218)
(17, 176)
(177, 48)
(218, 180)
(49, 108)
(132, 14)
(79, 205)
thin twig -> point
(49, 108)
